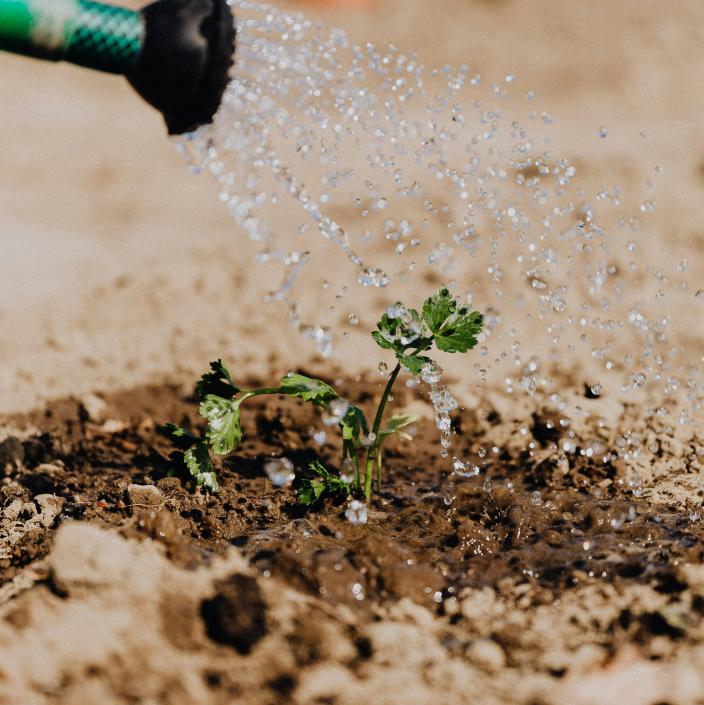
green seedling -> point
(325, 484)
(443, 324)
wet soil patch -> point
(536, 519)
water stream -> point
(372, 179)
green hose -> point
(92, 34)
(176, 54)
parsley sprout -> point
(409, 334)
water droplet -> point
(398, 310)
(320, 437)
(431, 373)
(358, 588)
(356, 512)
(443, 401)
(348, 471)
(544, 259)
(370, 276)
(336, 411)
(463, 468)
(280, 471)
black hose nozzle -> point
(176, 53)
(183, 66)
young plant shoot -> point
(443, 324)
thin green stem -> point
(379, 457)
(373, 449)
(349, 451)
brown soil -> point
(556, 572)
(120, 269)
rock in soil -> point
(11, 454)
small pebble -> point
(11, 453)
(50, 507)
(94, 408)
(487, 655)
(145, 496)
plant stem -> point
(379, 461)
(373, 449)
(349, 451)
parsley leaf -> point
(455, 328)
(413, 363)
(326, 484)
(224, 432)
(397, 423)
(200, 465)
(310, 492)
(461, 334)
(307, 388)
(217, 382)
(354, 423)
(437, 309)
(404, 329)
(181, 438)
(381, 341)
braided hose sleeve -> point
(91, 34)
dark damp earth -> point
(546, 568)
(532, 517)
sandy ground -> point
(119, 267)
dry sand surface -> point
(120, 267)
(120, 270)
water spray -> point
(175, 53)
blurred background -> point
(119, 267)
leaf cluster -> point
(325, 484)
(220, 403)
(443, 323)
(195, 456)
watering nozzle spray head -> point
(175, 53)
(184, 62)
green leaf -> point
(224, 432)
(181, 438)
(320, 470)
(200, 466)
(413, 363)
(354, 424)
(327, 484)
(437, 309)
(455, 328)
(461, 334)
(217, 382)
(381, 341)
(399, 332)
(310, 492)
(307, 388)
(398, 422)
